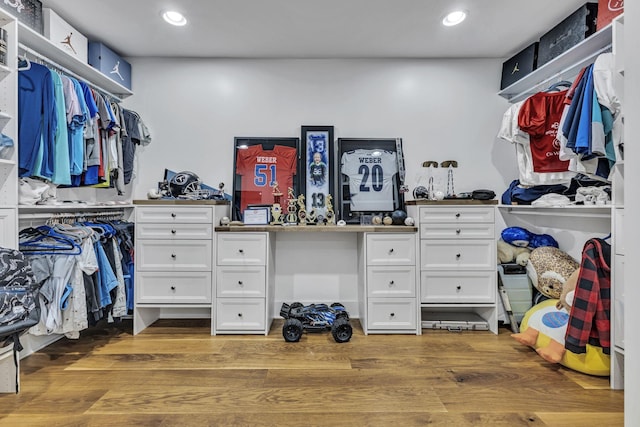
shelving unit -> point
(29, 39)
(564, 67)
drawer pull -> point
(458, 288)
(458, 231)
(458, 215)
(391, 283)
(392, 315)
(173, 215)
(173, 288)
(239, 314)
(458, 256)
(241, 251)
(173, 231)
(391, 250)
(173, 256)
(240, 283)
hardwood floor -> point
(176, 374)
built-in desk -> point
(370, 269)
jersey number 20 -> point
(377, 176)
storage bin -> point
(574, 29)
(29, 12)
(64, 36)
(110, 64)
(519, 65)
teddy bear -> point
(508, 253)
(549, 268)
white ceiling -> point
(314, 28)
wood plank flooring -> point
(176, 374)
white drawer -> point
(240, 314)
(457, 231)
(173, 255)
(392, 281)
(173, 287)
(391, 313)
(458, 287)
(174, 214)
(456, 214)
(240, 281)
(173, 231)
(619, 231)
(391, 249)
(242, 248)
(457, 254)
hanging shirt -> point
(62, 168)
(261, 169)
(36, 121)
(370, 175)
(540, 117)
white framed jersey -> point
(371, 174)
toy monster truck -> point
(315, 318)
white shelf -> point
(582, 211)
(564, 67)
(4, 162)
(43, 46)
(69, 208)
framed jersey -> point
(317, 168)
(264, 168)
(370, 177)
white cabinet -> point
(174, 262)
(458, 262)
(243, 283)
(388, 300)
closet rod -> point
(70, 215)
(64, 70)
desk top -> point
(460, 202)
(173, 202)
(320, 228)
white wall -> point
(443, 109)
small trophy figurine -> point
(331, 218)
(302, 210)
(292, 217)
(276, 209)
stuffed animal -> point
(509, 253)
(568, 292)
(518, 236)
(549, 268)
(544, 327)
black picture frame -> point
(392, 199)
(317, 178)
(253, 179)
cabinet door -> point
(240, 314)
(240, 281)
(173, 231)
(458, 287)
(457, 231)
(391, 313)
(391, 249)
(8, 227)
(458, 254)
(174, 214)
(456, 215)
(174, 287)
(241, 249)
(168, 255)
(391, 281)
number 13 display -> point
(318, 143)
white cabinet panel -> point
(240, 281)
(458, 287)
(457, 231)
(456, 215)
(457, 254)
(391, 281)
(391, 249)
(174, 287)
(391, 313)
(241, 249)
(240, 314)
(174, 214)
(167, 255)
(173, 231)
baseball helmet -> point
(420, 192)
(184, 183)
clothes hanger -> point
(23, 60)
(557, 87)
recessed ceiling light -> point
(454, 18)
(174, 18)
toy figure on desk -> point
(292, 217)
(331, 218)
(302, 210)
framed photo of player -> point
(370, 178)
(264, 170)
(317, 168)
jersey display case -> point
(370, 175)
(264, 170)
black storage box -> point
(574, 29)
(518, 66)
(29, 12)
